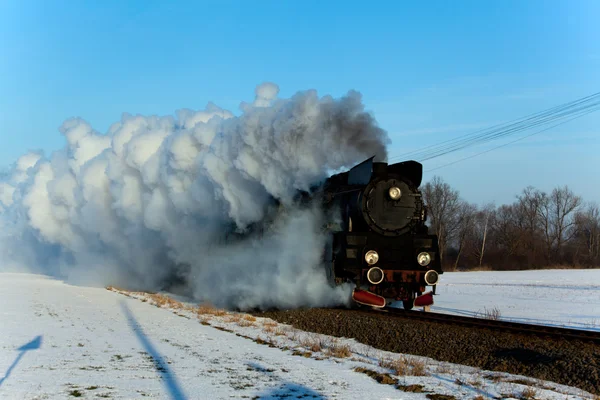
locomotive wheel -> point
(408, 304)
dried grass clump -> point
(280, 332)
(444, 369)
(313, 343)
(339, 350)
(397, 365)
(250, 318)
(243, 322)
(418, 367)
(209, 309)
(402, 366)
(269, 326)
(165, 301)
(305, 354)
(384, 379)
(233, 318)
(268, 329)
(411, 388)
(493, 313)
(270, 323)
(528, 393)
(477, 383)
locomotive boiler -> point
(380, 241)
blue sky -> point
(429, 71)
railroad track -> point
(498, 325)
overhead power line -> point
(554, 116)
(505, 144)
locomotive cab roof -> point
(362, 173)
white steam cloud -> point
(162, 201)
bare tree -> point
(530, 222)
(443, 205)
(588, 229)
(506, 228)
(557, 212)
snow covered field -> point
(550, 297)
(59, 341)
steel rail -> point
(494, 324)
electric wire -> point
(562, 112)
(516, 125)
(509, 143)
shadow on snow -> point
(285, 389)
(35, 344)
(161, 366)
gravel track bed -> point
(572, 363)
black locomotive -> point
(380, 241)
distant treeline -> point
(538, 230)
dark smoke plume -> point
(157, 200)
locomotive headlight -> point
(375, 275)
(423, 259)
(371, 257)
(431, 277)
(395, 193)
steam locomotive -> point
(380, 241)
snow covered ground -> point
(59, 341)
(550, 297)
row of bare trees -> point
(538, 230)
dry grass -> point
(492, 313)
(306, 354)
(480, 397)
(269, 326)
(397, 365)
(118, 289)
(444, 369)
(268, 329)
(476, 382)
(436, 396)
(280, 332)
(483, 268)
(157, 299)
(339, 350)
(418, 367)
(233, 318)
(272, 327)
(493, 377)
(313, 343)
(208, 309)
(594, 323)
(165, 301)
(384, 379)
(293, 335)
(411, 388)
(528, 394)
(405, 366)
